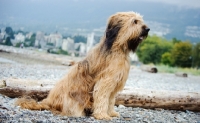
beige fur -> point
(92, 84)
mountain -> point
(165, 19)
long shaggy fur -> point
(92, 84)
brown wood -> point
(69, 63)
(176, 100)
(36, 89)
(152, 99)
(181, 74)
(151, 69)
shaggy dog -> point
(92, 84)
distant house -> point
(40, 40)
(68, 45)
(92, 40)
(55, 39)
(18, 38)
(2, 36)
(134, 57)
(28, 35)
(81, 48)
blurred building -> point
(28, 35)
(80, 48)
(134, 57)
(18, 38)
(68, 45)
(92, 40)
(40, 40)
(55, 39)
(2, 34)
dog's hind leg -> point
(72, 107)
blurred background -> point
(72, 27)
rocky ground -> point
(31, 64)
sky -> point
(93, 14)
(180, 3)
(11, 9)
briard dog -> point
(92, 84)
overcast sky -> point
(52, 9)
(181, 3)
(92, 13)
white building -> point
(2, 34)
(18, 38)
(82, 50)
(134, 57)
(28, 35)
(90, 41)
(55, 39)
(40, 40)
(68, 45)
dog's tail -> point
(29, 103)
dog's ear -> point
(111, 34)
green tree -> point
(151, 50)
(20, 31)
(174, 40)
(181, 54)
(166, 58)
(10, 32)
(196, 56)
(8, 41)
(79, 38)
(32, 40)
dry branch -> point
(151, 99)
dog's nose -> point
(147, 29)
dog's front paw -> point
(102, 116)
(114, 114)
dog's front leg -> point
(111, 110)
(101, 95)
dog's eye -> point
(135, 21)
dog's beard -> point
(133, 44)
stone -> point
(121, 106)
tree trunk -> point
(129, 97)
(181, 74)
(151, 69)
(19, 87)
(152, 99)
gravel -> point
(15, 67)
(13, 114)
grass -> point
(168, 69)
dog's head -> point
(125, 30)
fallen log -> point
(36, 89)
(151, 99)
(181, 74)
(151, 69)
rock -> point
(121, 106)
(127, 118)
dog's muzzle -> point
(144, 33)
